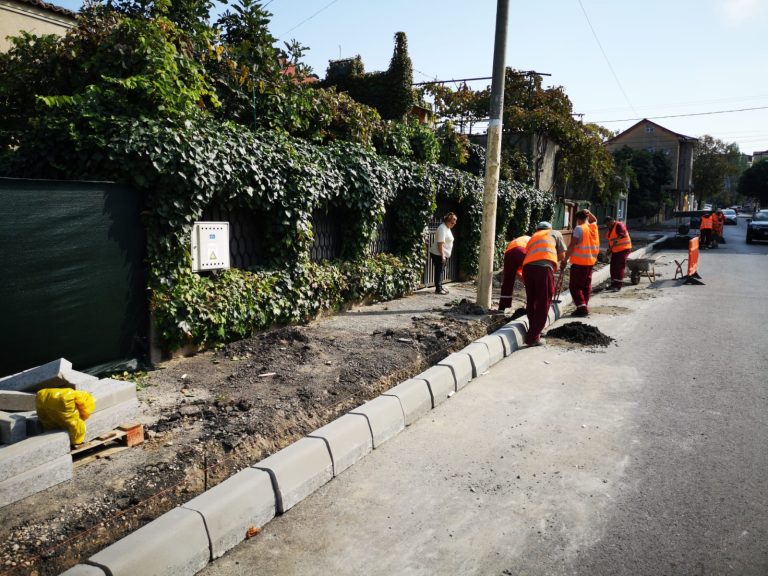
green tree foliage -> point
(753, 182)
(715, 163)
(650, 172)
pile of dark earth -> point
(580, 333)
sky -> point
(681, 63)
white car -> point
(730, 216)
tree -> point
(650, 172)
(715, 163)
(753, 182)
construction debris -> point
(580, 333)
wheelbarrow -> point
(639, 267)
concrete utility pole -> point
(492, 159)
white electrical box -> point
(210, 246)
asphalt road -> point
(644, 458)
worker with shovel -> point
(544, 252)
(619, 247)
(514, 255)
(582, 252)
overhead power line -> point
(310, 17)
(681, 115)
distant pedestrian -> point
(514, 255)
(705, 229)
(619, 247)
(582, 252)
(441, 249)
(545, 251)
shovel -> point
(559, 287)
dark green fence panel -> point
(73, 281)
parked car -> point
(730, 216)
(757, 228)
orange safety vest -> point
(585, 252)
(617, 244)
(541, 246)
(519, 242)
(706, 223)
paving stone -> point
(35, 480)
(108, 392)
(298, 470)
(480, 357)
(461, 366)
(242, 501)
(50, 375)
(385, 418)
(174, 544)
(13, 427)
(17, 458)
(495, 347)
(415, 398)
(84, 570)
(103, 421)
(441, 383)
(15, 401)
(349, 439)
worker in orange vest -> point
(582, 252)
(705, 229)
(718, 223)
(514, 254)
(545, 251)
(619, 247)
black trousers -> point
(437, 262)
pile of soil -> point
(580, 333)
(210, 415)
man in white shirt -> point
(441, 249)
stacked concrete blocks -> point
(461, 366)
(348, 439)
(385, 418)
(415, 398)
(51, 375)
(441, 383)
(297, 470)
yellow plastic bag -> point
(65, 409)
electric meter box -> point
(210, 246)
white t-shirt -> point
(442, 234)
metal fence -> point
(245, 243)
(327, 229)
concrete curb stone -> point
(385, 418)
(175, 543)
(441, 383)
(13, 427)
(84, 570)
(50, 375)
(461, 366)
(33, 452)
(108, 393)
(479, 356)
(36, 479)
(230, 508)
(495, 345)
(103, 421)
(415, 398)
(17, 401)
(348, 439)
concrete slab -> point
(50, 375)
(31, 453)
(297, 471)
(415, 398)
(103, 421)
(84, 570)
(495, 347)
(479, 355)
(13, 427)
(229, 509)
(15, 401)
(108, 392)
(79, 380)
(35, 480)
(176, 543)
(385, 418)
(461, 366)
(441, 383)
(349, 439)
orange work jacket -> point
(706, 223)
(586, 251)
(541, 246)
(519, 242)
(617, 244)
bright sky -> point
(616, 59)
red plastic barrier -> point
(693, 255)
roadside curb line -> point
(253, 500)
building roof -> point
(681, 137)
(49, 7)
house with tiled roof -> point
(33, 16)
(647, 135)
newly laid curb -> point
(184, 540)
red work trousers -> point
(618, 265)
(512, 261)
(539, 290)
(580, 285)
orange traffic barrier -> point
(693, 262)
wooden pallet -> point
(121, 438)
